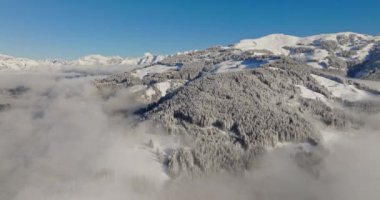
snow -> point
(363, 53)
(149, 93)
(12, 63)
(273, 43)
(319, 54)
(163, 87)
(148, 58)
(92, 60)
(309, 94)
(274, 68)
(137, 88)
(232, 66)
(315, 65)
(186, 52)
(141, 72)
(18, 64)
(347, 92)
(333, 37)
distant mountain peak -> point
(13, 63)
(318, 51)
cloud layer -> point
(60, 139)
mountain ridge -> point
(230, 104)
(15, 63)
(344, 45)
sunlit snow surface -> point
(141, 72)
(344, 91)
(277, 44)
(309, 94)
(233, 66)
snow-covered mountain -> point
(9, 62)
(91, 60)
(259, 93)
(320, 51)
(345, 54)
(330, 51)
(14, 63)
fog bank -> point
(60, 139)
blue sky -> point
(73, 28)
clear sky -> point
(73, 28)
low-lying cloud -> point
(59, 139)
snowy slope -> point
(320, 51)
(141, 72)
(343, 91)
(273, 43)
(91, 60)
